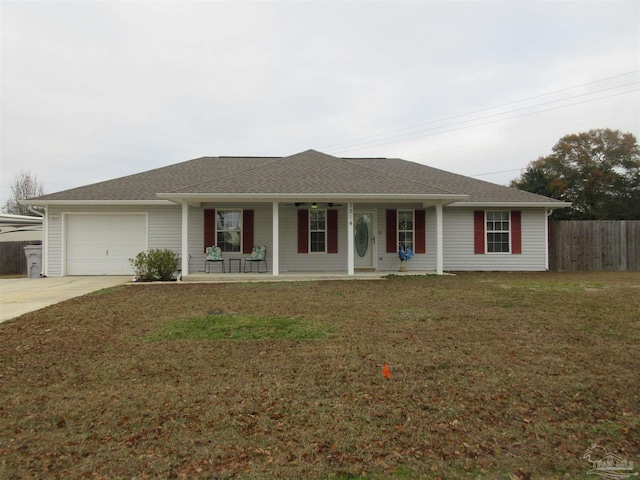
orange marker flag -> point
(385, 370)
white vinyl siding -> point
(459, 243)
(165, 227)
(292, 261)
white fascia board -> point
(19, 219)
(512, 204)
(309, 197)
(45, 203)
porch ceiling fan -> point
(314, 205)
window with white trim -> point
(318, 231)
(229, 230)
(406, 228)
(498, 231)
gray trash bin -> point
(34, 260)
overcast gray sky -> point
(97, 90)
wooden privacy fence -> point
(12, 258)
(594, 245)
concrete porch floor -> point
(217, 277)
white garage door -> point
(103, 244)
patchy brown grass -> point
(493, 376)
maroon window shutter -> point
(247, 231)
(332, 231)
(420, 245)
(478, 231)
(209, 228)
(303, 231)
(516, 231)
(391, 231)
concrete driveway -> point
(22, 295)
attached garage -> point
(103, 244)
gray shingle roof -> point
(312, 172)
(308, 172)
(477, 190)
(146, 185)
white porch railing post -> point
(185, 239)
(350, 254)
(45, 242)
(275, 247)
(439, 240)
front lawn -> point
(493, 375)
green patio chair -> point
(258, 254)
(214, 254)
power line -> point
(491, 116)
(495, 173)
(480, 124)
(635, 114)
(479, 111)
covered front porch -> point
(275, 219)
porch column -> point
(45, 242)
(185, 239)
(275, 247)
(439, 241)
(350, 254)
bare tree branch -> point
(25, 185)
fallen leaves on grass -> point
(489, 382)
(240, 327)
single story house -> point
(314, 212)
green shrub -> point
(155, 264)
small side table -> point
(235, 260)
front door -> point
(365, 239)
